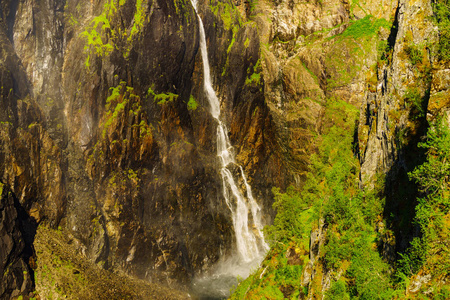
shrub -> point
(417, 103)
(338, 291)
(192, 104)
(414, 54)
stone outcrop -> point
(387, 109)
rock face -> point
(306, 65)
(105, 129)
(397, 79)
(16, 233)
(393, 121)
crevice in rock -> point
(28, 227)
(394, 29)
(11, 18)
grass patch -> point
(64, 273)
(162, 98)
(367, 26)
(192, 104)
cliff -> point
(106, 133)
(109, 151)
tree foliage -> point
(442, 15)
(331, 194)
(432, 177)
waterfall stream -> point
(245, 211)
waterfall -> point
(245, 211)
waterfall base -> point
(223, 278)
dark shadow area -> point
(394, 29)
(17, 255)
(401, 193)
(11, 18)
(28, 227)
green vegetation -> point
(253, 4)
(354, 3)
(345, 57)
(367, 26)
(331, 194)
(442, 16)
(133, 175)
(123, 99)
(417, 103)
(138, 23)
(233, 40)
(383, 51)
(138, 19)
(351, 212)
(94, 34)
(230, 46)
(192, 104)
(433, 207)
(293, 218)
(231, 20)
(162, 98)
(72, 21)
(255, 77)
(247, 42)
(103, 38)
(276, 275)
(227, 13)
(414, 54)
(117, 99)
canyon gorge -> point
(252, 149)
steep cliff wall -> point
(106, 132)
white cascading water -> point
(245, 211)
